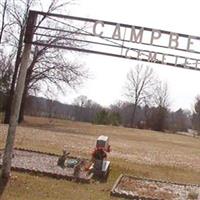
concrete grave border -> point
(44, 173)
(129, 195)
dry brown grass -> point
(136, 152)
(132, 145)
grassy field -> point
(136, 152)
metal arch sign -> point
(114, 39)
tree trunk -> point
(12, 89)
(22, 107)
(26, 87)
(133, 116)
(7, 157)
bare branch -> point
(3, 20)
(139, 86)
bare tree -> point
(50, 103)
(85, 109)
(18, 17)
(5, 72)
(161, 95)
(3, 18)
(5, 78)
(79, 107)
(161, 105)
(180, 120)
(140, 81)
(47, 64)
(80, 101)
(196, 115)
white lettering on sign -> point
(197, 62)
(176, 61)
(190, 42)
(155, 38)
(117, 32)
(139, 54)
(173, 40)
(152, 57)
(137, 34)
(146, 37)
(186, 63)
(156, 34)
(156, 57)
(136, 37)
(163, 58)
(95, 28)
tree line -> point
(147, 105)
(118, 114)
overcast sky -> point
(109, 74)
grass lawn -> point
(135, 152)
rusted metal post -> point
(8, 152)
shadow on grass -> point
(100, 179)
(3, 184)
